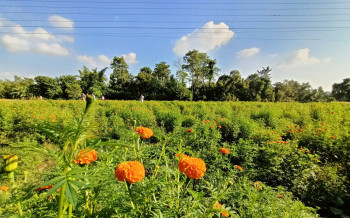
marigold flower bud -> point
(224, 150)
(11, 162)
(223, 213)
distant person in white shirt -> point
(142, 98)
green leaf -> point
(52, 181)
(336, 211)
(56, 186)
(71, 192)
(78, 183)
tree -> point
(196, 64)
(341, 91)
(19, 88)
(70, 86)
(162, 71)
(231, 87)
(260, 86)
(120, 80)
(287, 91)
(93, 81)
(120, 74)
(211, 70)
(47, 87)
(143, 81)
(182, 77)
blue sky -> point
(307, 41)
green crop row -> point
(285, 159)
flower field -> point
(174, 159)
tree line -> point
(194, 80)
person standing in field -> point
(142, 98)
(83, 96)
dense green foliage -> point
(291, 154)
(195, 80)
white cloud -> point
(15, 44)
(41, 34)
(61, 22)
(130, 58)
(7, 76)
(65, 39)
(104, 59)
(302, 57)
(2, 22)
(38, 40)
(87, 60)
(205, 39)
(53, 49)
(248, 52)
(99, 61)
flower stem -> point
(19, 208)
(160, 158)
(210, 209)
(70, 211)
(61, 202)
(11, 177)
(128, 185)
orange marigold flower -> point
(223, 213)
(281, 196)
(210, 127)
(85, 157)
(144, 132)
(257, 185)
(4, 188)
(219, 127)
(332, 112)
(239, 167)
(131, 171)
(224, 150)
(44, 188)
(189, 130)
(332, 137)
(193, 167)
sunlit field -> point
(174, 159)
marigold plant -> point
(144, 132)
(239, 168)
(193, 167)
(189, 131)
(4, 188)
(224, 150)
(86, 157)
(131, 171)
(223, 213)
(44, 188)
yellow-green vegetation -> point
(260, 159)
